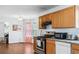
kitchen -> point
(39, 29)
(46, 29)
(58, 31)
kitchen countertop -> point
(66, 40)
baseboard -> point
(21, 43)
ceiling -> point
(23, 9)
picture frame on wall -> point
(15, 27)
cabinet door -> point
(43, 19)
(75, 48)
(47, 17)
(61, 15)
(64, 18)
(56, 20)
(69, 17)
(50, 47)
(40, 22)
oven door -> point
(41, 44)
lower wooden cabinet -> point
(50, 46)
(75, 48)
(35, 44)
(75, 51)
(54, 47)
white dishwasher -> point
(63, 48)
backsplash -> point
(73, 31)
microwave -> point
(60, 35)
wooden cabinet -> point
(61, 19)
(35, 44)
(56, 20)
(50, 46)
(64, 18)
(40, 22)
(69, 17)
(49, 17)
(75, 48)
(43, 19)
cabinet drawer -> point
(75, 51)
(75, 46)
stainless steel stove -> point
(41, 44)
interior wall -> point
(1, 29)
(73, 31)
(14, 36)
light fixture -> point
(20, 18)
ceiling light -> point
(20, 18)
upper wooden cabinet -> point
(47, 18)
(43, 19)
(69, 17)
(40, 22)
(64, 18)
(56, 20)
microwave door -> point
(61, 36)
(57, 36)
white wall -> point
(14, 36)
(59, 7)
(1, 29)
